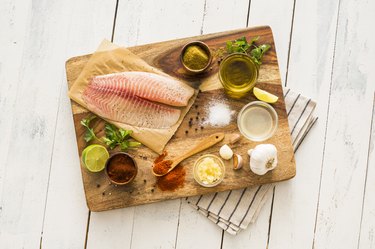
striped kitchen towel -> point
(234, 210)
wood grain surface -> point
(101, 195)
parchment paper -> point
(110, 58)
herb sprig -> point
(89, 134)
(258, 52)
(113, 136)
(118, 137)
(241, 45)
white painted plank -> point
(66, 214)
(224, 15)
(30, 145)
(13, 22)
(196, 231)
(217, 16)
(367, 235)
(111, 229)
(278, 15)
(348, 130)
(256, 235)
(159, 222)
(310, 68)
(140, 22)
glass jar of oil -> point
(238, 74)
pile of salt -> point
(219, 114)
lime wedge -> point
(94, 157)
(84, 152)
(265, 96)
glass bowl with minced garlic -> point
(209, 170)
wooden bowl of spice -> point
(121, 168)
(196, 57)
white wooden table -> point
(326, 51)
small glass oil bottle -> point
(238, 74)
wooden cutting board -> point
(102, 195)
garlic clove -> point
(226, 152)
(237, 161)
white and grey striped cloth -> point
(234, 210)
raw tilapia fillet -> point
(149, 86)
(126, 108)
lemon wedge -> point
(264, 95)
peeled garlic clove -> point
(237, 161)
(226, 152)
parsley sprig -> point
(118, 137)
(113, 136)
(89, 134)
(241, 45)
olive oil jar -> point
(238, 74)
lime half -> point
(264, 95)
(94, 157)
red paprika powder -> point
(161, 168)
(161, 157)
(173, 180)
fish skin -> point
(126, 108)
(150, 86)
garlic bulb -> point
(263, 158)
(226, 152)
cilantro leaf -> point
(241, 45)
(230, 47)
(118, 137)
(258, 52)
(89, 134)
(113, 136)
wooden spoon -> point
(204, 144)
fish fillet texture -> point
(126, 108)
(149, 86)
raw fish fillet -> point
(149, 86)
(126, 108)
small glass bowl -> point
(218, 161)
(237, 64)
(269, 109)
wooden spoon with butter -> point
(166, 166)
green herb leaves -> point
(89, 134)
(242, 46)
(118, 137)
(113, 136)
(258, 52)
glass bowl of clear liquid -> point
(257, 121)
